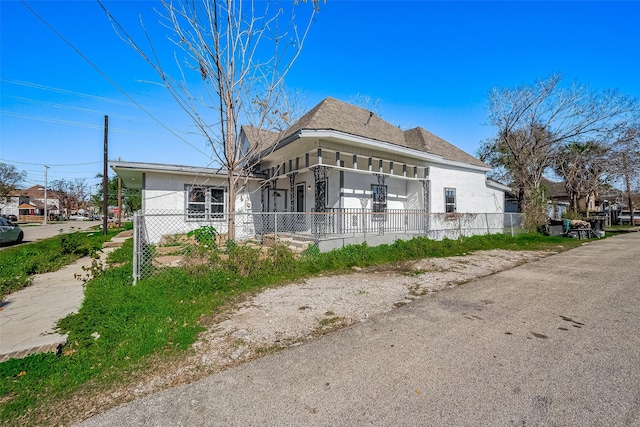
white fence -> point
(158, 232)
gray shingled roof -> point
(331, 114)
(260, 138)
(423, 140)
(555, 190)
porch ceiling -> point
(131, 178)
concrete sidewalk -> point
(28, 317)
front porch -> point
(324, 179)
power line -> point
(58, 171)
(65, 91)
(72, 108)
(50, 164)
(79, 124)
(107, 77)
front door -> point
(300, 197)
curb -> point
(54, 347)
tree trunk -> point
(627, 183)
(231, 223)
(521, 206)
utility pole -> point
(45, 194)
(119, 202)
(105, 177)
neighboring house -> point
(336, 159)
(9, 205)
(31, 201)
(559, 200)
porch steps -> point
(297, 244)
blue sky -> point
(427, 64)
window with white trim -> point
(449, 200)
(205, 203)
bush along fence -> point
(171, 239)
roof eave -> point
(387, 146)
(498, 186)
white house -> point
(345, 165)
(9, 205)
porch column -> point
(320, 178)
(381, 178)
(292, 189)
(426, 201)
(320, 223)
(274, 185)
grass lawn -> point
(121, 330)
(18, 264)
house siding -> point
(9, 206)
(165, 193)
(472, 193)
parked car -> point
(10, 232)
(11, 218)
(625, 218)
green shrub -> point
(312, 251)
(205, 235)
(280, 260)
(243, 260)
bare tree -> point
(583, 168)
(366, 101)
(533, 123)
(239, 53)
(71, 194)
(624, 160)
(10, 176)
(61, 189)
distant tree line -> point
(588, 138)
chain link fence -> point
(164, 238)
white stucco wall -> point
(357, 192)
(472, 193)
(164, 206)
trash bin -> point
(596, 223)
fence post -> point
(275, 227)
(486, 216)
(136, 229)
(364, 225)
(511, 222)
